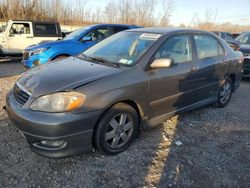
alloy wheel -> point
(119, 130)
(225, 92)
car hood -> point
(245, 49)
(48, 44)
(63, 75)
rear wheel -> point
(117, 129)
(225, 93)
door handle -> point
(29, 37)
(194, 69)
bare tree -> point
(168, 8)
(109, 12)
(140, 12)
(208, 22)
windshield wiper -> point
(84, 57)
(100, 60)
(105, 61)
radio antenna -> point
(192, 20)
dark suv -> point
(229, 38)
(131, 80)
(244, 40)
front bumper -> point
(74, 131)
(34, 60)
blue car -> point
(73, 44)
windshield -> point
(124, 48)
(244, 38)
(76, 34)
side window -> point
(98, 34)
(117, 29)
(178, 48)
(20, 28)
(45, 29)
(207, 47)
(223, 36)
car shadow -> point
(203, 153)
(11, 68)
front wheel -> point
(225, 93)
(117, 129)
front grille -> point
(26, 55)
(21, 96)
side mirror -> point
(162, 63)
(86, 38)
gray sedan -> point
(133, 80)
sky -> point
(234, 11)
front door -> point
(172, 88)
(20, 37)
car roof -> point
(166, 30)
(221, 32)
(34, 21)
(247, 32)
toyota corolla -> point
(133, 80)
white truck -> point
(19, 34)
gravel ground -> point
(204, 148)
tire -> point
(117, 129)
(225, 93)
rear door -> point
(210, 64)
(173, 88)
(44, 32)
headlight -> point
(58, 102)
(38, 51)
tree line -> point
(82, 12)
(139, 12)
